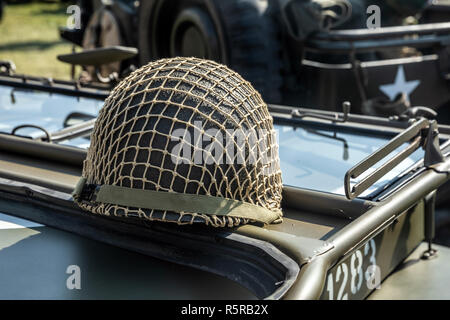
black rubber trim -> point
(255, 264)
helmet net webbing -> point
(133, 144)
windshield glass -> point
(310, 159)
(47, 110)
(319, 159)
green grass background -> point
(29, 37)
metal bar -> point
(43, 150)
(430, 228)
(370, 45)
(364, 184)
(47, 182)
(378, 155)
(61, 87)
(386, 32)
(355, 118)
(75, 131)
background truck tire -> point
(239, 33)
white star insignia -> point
(400, 85)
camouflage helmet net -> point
(133, 146)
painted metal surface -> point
(339, 81)
(417, 279)
(35, 259)
(362, 272)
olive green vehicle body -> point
(322, 250)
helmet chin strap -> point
(173, 201)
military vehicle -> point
(358, 209)
(281, 45)
(436, 11)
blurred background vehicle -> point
(292, 51)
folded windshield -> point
(47, 110)
(310, 158)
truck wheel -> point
(239, 33)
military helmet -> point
(183, 140)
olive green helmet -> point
(183, 140)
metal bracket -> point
(415, 113)
(47, 138)
(422, 133)
(430, 202)
(346, 106)
(89, 193)
(433, 154)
